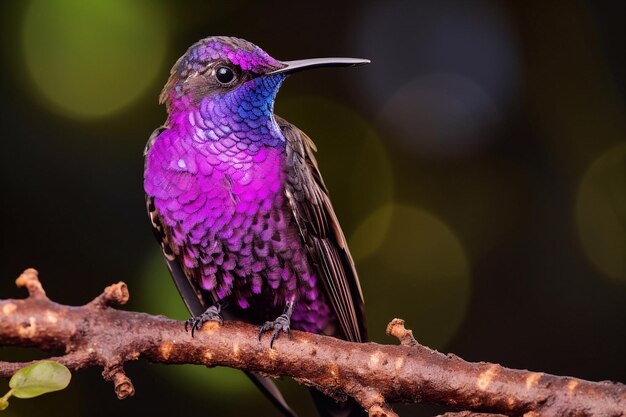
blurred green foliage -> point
(90, 58)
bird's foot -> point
(281, 324)
(211, 314)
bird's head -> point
(236, 73)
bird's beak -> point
(305, 64)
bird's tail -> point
(328, 407)
(271, 391)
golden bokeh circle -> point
(601, 214)
(420, 272)
(370, 235)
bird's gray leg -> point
(282, 323)
(211, 314)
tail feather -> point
(271, 391)
(328, 407)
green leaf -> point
(39, 378)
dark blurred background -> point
(478, 167)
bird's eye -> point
(224, 75)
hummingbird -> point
(240, 209)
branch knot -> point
(396, 328)
(30, 279)
(122, 384)
(116, 294)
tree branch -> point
(375, 375)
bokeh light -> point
(371, 233)
(90, 58)
(420, 273)
(441, 68)
(601, 213)
(160, 296)
(440, 115)
(352, 158)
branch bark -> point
(97, 334)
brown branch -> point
(470, 414)
(375, 375)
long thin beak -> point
(305, 64)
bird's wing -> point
(320, 230)
(186, 282)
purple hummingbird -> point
(239, 206)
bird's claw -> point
(281, 324)
(211, 314)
